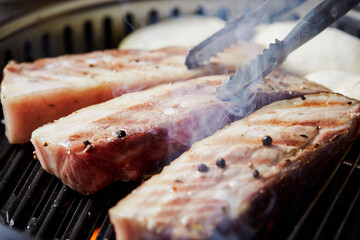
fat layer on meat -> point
(190, 201)
(33, 94)
(133, 136)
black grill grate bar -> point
(308, 211)
(110, 233)
(40, 209)
(85, 214)
(98, 217)
(335, 199)
(26, 193)
(11, 170)
(341, 227)
(68, 215)
(5, 152)
(103, 228)
(51, 208)
(70, 227)
(102, 213)
(17, 185)
(5, 145)
(24, 179)
(106, 230)
(96, 224)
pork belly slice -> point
(36, 93)
(200, 196)
(133, 136)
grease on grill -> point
(34, 155)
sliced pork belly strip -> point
(183, 203)
(88, 149)
(36, 93)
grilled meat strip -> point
(133, 136)
(36, 93)
(230, 182)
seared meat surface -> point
(36, 93)
(133, 136)
(230, 182)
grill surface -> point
(40, 206)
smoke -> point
(199, 115)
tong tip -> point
(190, 62)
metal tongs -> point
(309, 26)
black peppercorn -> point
(202, 168)
(302, 97)
(86, 143)
(220, 163)
(255, 173)
(120, 134)
(266, 141)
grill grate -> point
(327, 210)
(41, 207)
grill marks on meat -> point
(159, 123)
(36, 93)
(183, 203)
